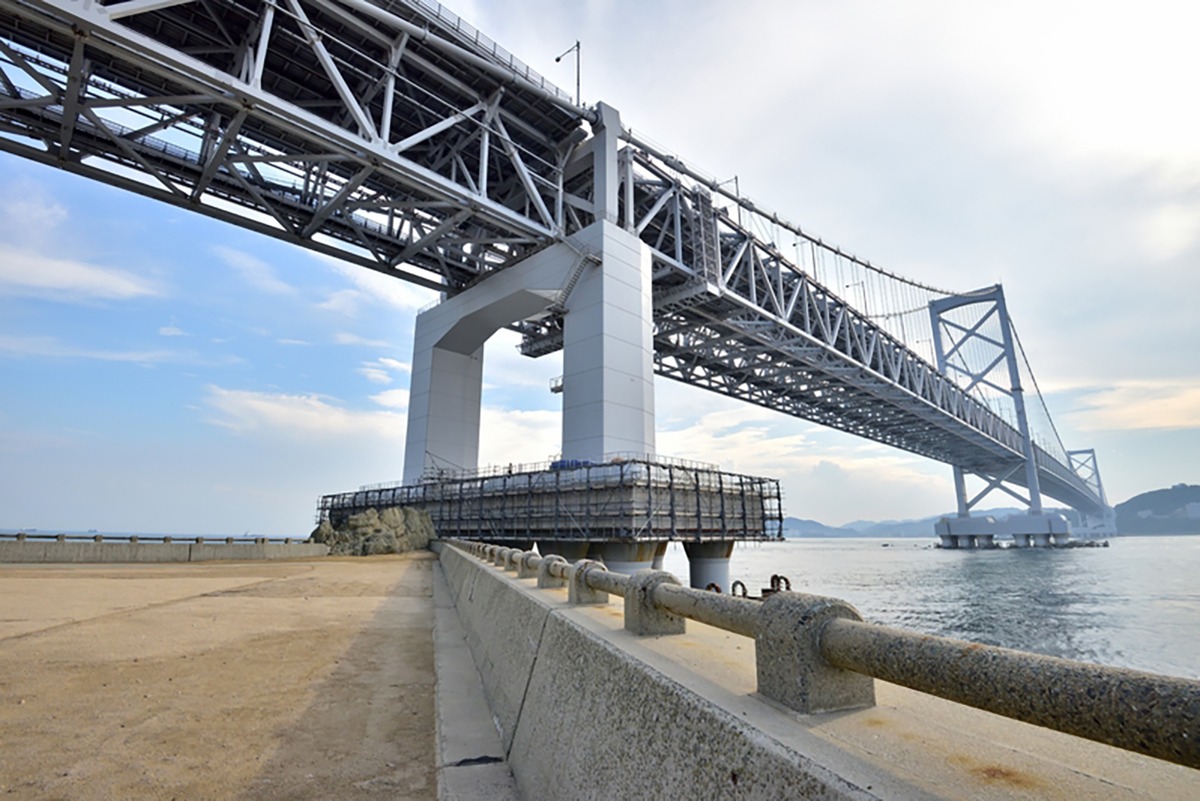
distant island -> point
(1175, 510)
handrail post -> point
(642, 615)
(546, 579)
(525, 565)
(578, 591)
(787, 651)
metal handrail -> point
(822, 641)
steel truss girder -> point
(734, 316)
(388, 138)
(272, 116)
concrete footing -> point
(1026, 531)
(708, 563)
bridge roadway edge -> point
(586, 710)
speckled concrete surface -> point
(608, 714)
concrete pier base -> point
(659, 554)
(948, 541)
(626, 557)
(708, 563)
(1022, 540)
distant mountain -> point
(1163, 511)
(796, 527)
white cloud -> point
(172, 331)
(1170, 230)
(28, 213)
(344, 301)
(395, 364)
(392, 398)
(305, 416)
(374, 374)
(344, 338)
(24, 272)
(50, 347)
(1140, 405)
(380, 371)
(291, 342)
(374, 287)
(254, 271)
(518, 437)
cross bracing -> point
(391, 134)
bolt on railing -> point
(815, 654)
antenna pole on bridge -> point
(575, 48)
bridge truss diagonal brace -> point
(951, 339)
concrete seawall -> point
(587, 710)
(52, 551)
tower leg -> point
(608, 350)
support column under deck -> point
(708, 563)
(626, 557)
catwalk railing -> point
(815, 654)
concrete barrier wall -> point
(582, 718)
(52, 551)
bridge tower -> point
(1104, 521)
(599, 280)
(993, 367)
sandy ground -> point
(234, 680)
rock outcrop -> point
(392, 530)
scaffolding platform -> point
(619, 500)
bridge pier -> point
(608, 366)
(1022, 540)
(626, 557)
(708, 563)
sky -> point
(164, 372)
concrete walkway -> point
(263, 680)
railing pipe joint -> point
(579, 589)
(790, 666)
(643, 614)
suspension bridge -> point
(395, 136)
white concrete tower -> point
(608, 345)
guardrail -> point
(22, 536)
(815, 654)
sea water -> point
(1135, 604)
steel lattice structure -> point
(391, 134)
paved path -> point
(238, 680)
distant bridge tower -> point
(982, 349)
(1104, 521)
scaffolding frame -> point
(617, 500)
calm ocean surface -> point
(1134, 604)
